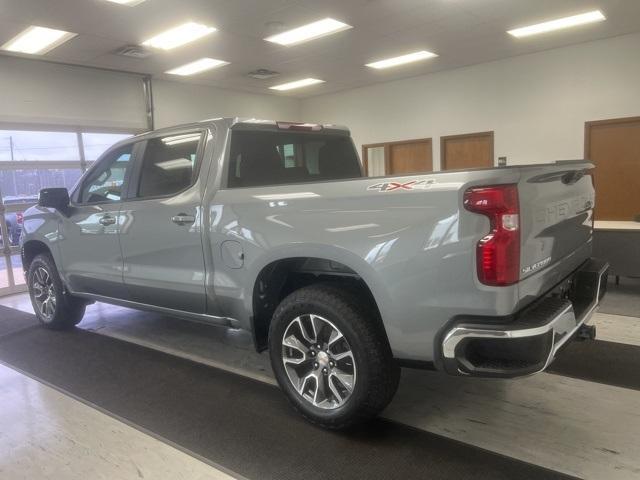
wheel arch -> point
(31, 249)
(279, 275)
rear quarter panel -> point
(415, 248)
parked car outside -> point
(14, 219)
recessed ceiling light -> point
(305, 82)
(558, 24)
(128, 3)
(177, 36)
(402, 59)
(308, 32)
(37, 40)
(197, 66)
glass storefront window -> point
(33, 145)
(26, 172)
(16, 265)
(23, 186)
(4, 274)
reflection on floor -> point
(574, 426)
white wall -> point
(182, 103)
(536, 104)
(38, 92)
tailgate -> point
(556, 209)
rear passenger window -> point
(168, 165)
(259, 158)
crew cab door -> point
(88, 234)
(161, 232)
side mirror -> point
(57, 198)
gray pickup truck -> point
(274, 229)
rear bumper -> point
(528, 342)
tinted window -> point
(273, 158)
(168, 165)
(105, 182)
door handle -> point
(183, 219)
(107, 220)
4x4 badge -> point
(398, 186)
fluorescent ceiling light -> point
(184, 138)
(286, 196)
(305, 82)
(128, 3)
(37, 40)
(177, 36)
(352, 227)
(177, 164)
(197, 66)
(308, 32)
(402, 59)
(558, 24)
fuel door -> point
(232, 254)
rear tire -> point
(352, 376)
(53, 306)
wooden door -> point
(462, 152)
(614, 147)
(405, 157)
(410, 157)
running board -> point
(193, 317)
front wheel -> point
(54, 307)
(331, 356)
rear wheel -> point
(331, 356)
(53, 306)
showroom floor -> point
(171, 387)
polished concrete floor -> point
(47, 434)
(582, 428)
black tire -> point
(67, 311)
(378, 374)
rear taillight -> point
(498, 252)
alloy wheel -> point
(44, 293)
(318, 361)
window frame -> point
(136, 173)
(226, 170)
